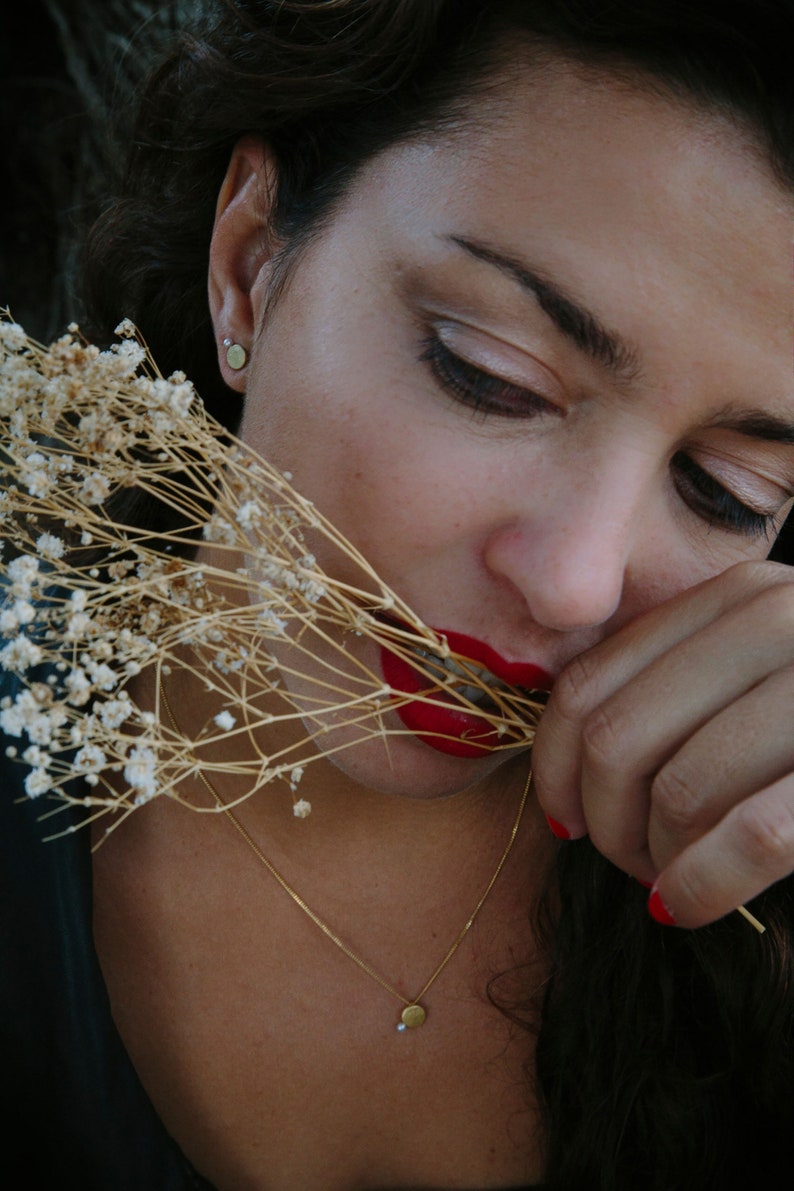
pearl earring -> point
(236, 355)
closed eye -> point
(485, 393)
(489, 395)
(715, 504)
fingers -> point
(621, 710)
(637, 734)
(655, 737)
(750, 849)
(745, 748)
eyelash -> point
(482, 392)
(720, 507)
(486, 394)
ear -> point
(241, 251)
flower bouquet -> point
(92, 595)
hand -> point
(671, 744)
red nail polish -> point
(557, 828)
(658, 910)
(647, 884)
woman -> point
(503, 287)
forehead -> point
(644, 204)
(581, 140)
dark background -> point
(65, 65)
(40, 116)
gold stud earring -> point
(236, 355)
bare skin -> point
(565, 532)
(272, 1059)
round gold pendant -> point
(412, 1016)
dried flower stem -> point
(92, 598)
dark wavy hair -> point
(665, 1059)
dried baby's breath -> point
(91, 599)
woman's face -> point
(538, 372)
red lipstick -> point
(459, 733)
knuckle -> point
(774, 608)
(757, 576)
(573, 690)
(676, 799)
(766, 833)
(603, 738)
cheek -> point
(378, 458)
(673, 557)
(379, 482)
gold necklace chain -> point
(414, 1013)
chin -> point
(411, 747)
(402, 764)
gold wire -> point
(319, 922)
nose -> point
(569, 553)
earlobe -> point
(241, 253)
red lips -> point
(458, 733)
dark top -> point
(73, 1113)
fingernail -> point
(647, 884)
(557, 828)
(658, 910)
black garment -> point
(73, 1113)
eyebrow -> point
(576, 323)
(757, 425)
(605, 347)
